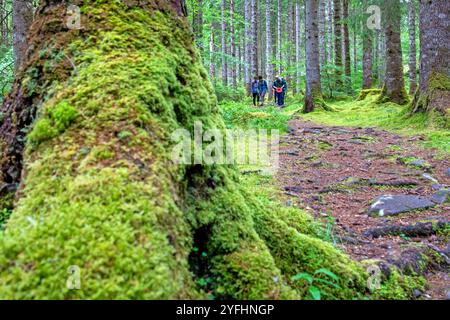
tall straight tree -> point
(337, 20)
(346, 44)
(323, 32)
(269, 66)
(297, 45)
(254, 38)
(330, 30)
(198, 24)
(394, 84)
(247, 42)
(434, 87)
(412, 46)
(367, 59)
(232, 45)
(22, 19)
(313, 96)
(279, 36)
(212, 49)
(224, 43)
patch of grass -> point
(243, 115)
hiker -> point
(278, 87)
(255, 91)
(263, 88)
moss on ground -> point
(116, 206)
(368, 113)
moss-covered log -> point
(100, 191)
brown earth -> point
(328, 171)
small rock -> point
(447, 294)
(389, 205)
(429, 177)
(418, 163)
(294, 189)
(437, 186)
(441, 196)
(447, 173)
(417, 293)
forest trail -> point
(338, 173)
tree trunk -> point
(279, 34)
(337, 18)
(330, 42)
(297, 45)
(346, 43)
(22, 19)
(367, 56)
(434, 86)
(198, 24)
(412, 47)
(367, 59)
(247, 39)
(394, 84)
(269, 65)
(322, 33)
(104, 201)
(233, 45)
(313, 97)
(212, 50)
(223, 24)
(254, 39)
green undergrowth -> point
(245, 116)
(102, 195)
(368, 113)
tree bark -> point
(313, 86)
(254, 39)
(233, 45)
(346, 44)
(337, 19)
(298, 45)
(212, 50)
(394, 84)
(279, 37)
(367, 57)
(412, 47)
(22, 19)
(323, 33)
(247, 40)
(269, 65)
(198, 24)
(223, 24)
(434, 85)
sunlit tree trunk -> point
(346, 44)
(269, 65)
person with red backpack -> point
(278, 87)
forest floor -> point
(337, 165)
(337, 173)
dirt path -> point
(337, 173)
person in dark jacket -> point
(255, 91)
(263, 88)
(278, 88)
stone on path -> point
(389, 205)
(441, 196)
(447, 173)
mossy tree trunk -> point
(434, 87)
(394, 84)
(101, 198)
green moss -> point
(368, 92)
(121, 210)
(399, 287)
